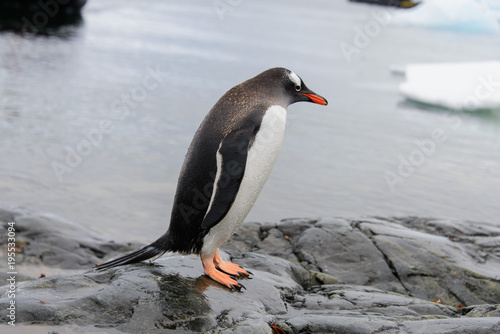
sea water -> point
(95, 118)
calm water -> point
(57, 90)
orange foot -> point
(228, 267)
(214, 265)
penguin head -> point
(297, 90)
(286, 86)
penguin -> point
(224, 171)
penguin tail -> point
(154, 250)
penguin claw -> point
(246, 274)
(237, 287)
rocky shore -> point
(336, 275)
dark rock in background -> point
(310, 276)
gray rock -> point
(478, 311)
(453, 326)
(310, 276)
(8, 215)
(437, 265)
(332, 248)
(150, 298)
(44, 239)
(457, 262)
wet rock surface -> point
(373, 275)
(53, 241)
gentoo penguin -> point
(225, 168)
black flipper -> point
(155, 249)
(232, 158)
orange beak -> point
(316, 99)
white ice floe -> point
(457, 86)
(475, 16)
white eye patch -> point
(295, 79)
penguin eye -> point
(297, 88)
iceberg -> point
(474, 16)
(457, 86)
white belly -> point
(260, 161)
